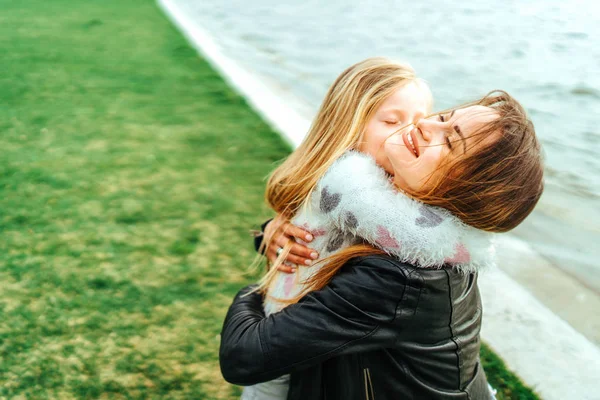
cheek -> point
(415, 175)
(373, 141)
(430, 168)
(400, 161)
(429, 163)
(363, 145)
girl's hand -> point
(280, 232)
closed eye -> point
(444, 119)
(448, 142)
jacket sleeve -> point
(353, 313)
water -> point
(545, 53)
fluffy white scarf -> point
(355, 202)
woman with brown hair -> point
(391, 310)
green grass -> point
(508, 385)
(130, 175)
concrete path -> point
(543, 349)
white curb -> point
(263, 100)
(546, 352)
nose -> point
(427, 127)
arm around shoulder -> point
(353, 313)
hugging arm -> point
(353, 313)
(281, 231)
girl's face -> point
(416, 152)
(406, 105)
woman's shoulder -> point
(390, 263)
(376, 285)
(394, 269)
(380, 279)
(437, 290)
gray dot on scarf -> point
(329, 201)
(351, 221)
(428, 218)
(336, 241)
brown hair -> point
(496, 186)
(338, 126)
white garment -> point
(277, 389)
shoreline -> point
(515, 322)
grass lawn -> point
(130, 175)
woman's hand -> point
(280, 232)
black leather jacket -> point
(381, 329)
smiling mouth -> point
(409, 140)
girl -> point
(404, 98)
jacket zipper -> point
(370, 394)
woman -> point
(377, 326)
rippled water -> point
(545, 53)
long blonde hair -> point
(338, 126)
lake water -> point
(545, 53)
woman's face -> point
(415, 153)
(406, 105)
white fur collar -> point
(356, 195)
